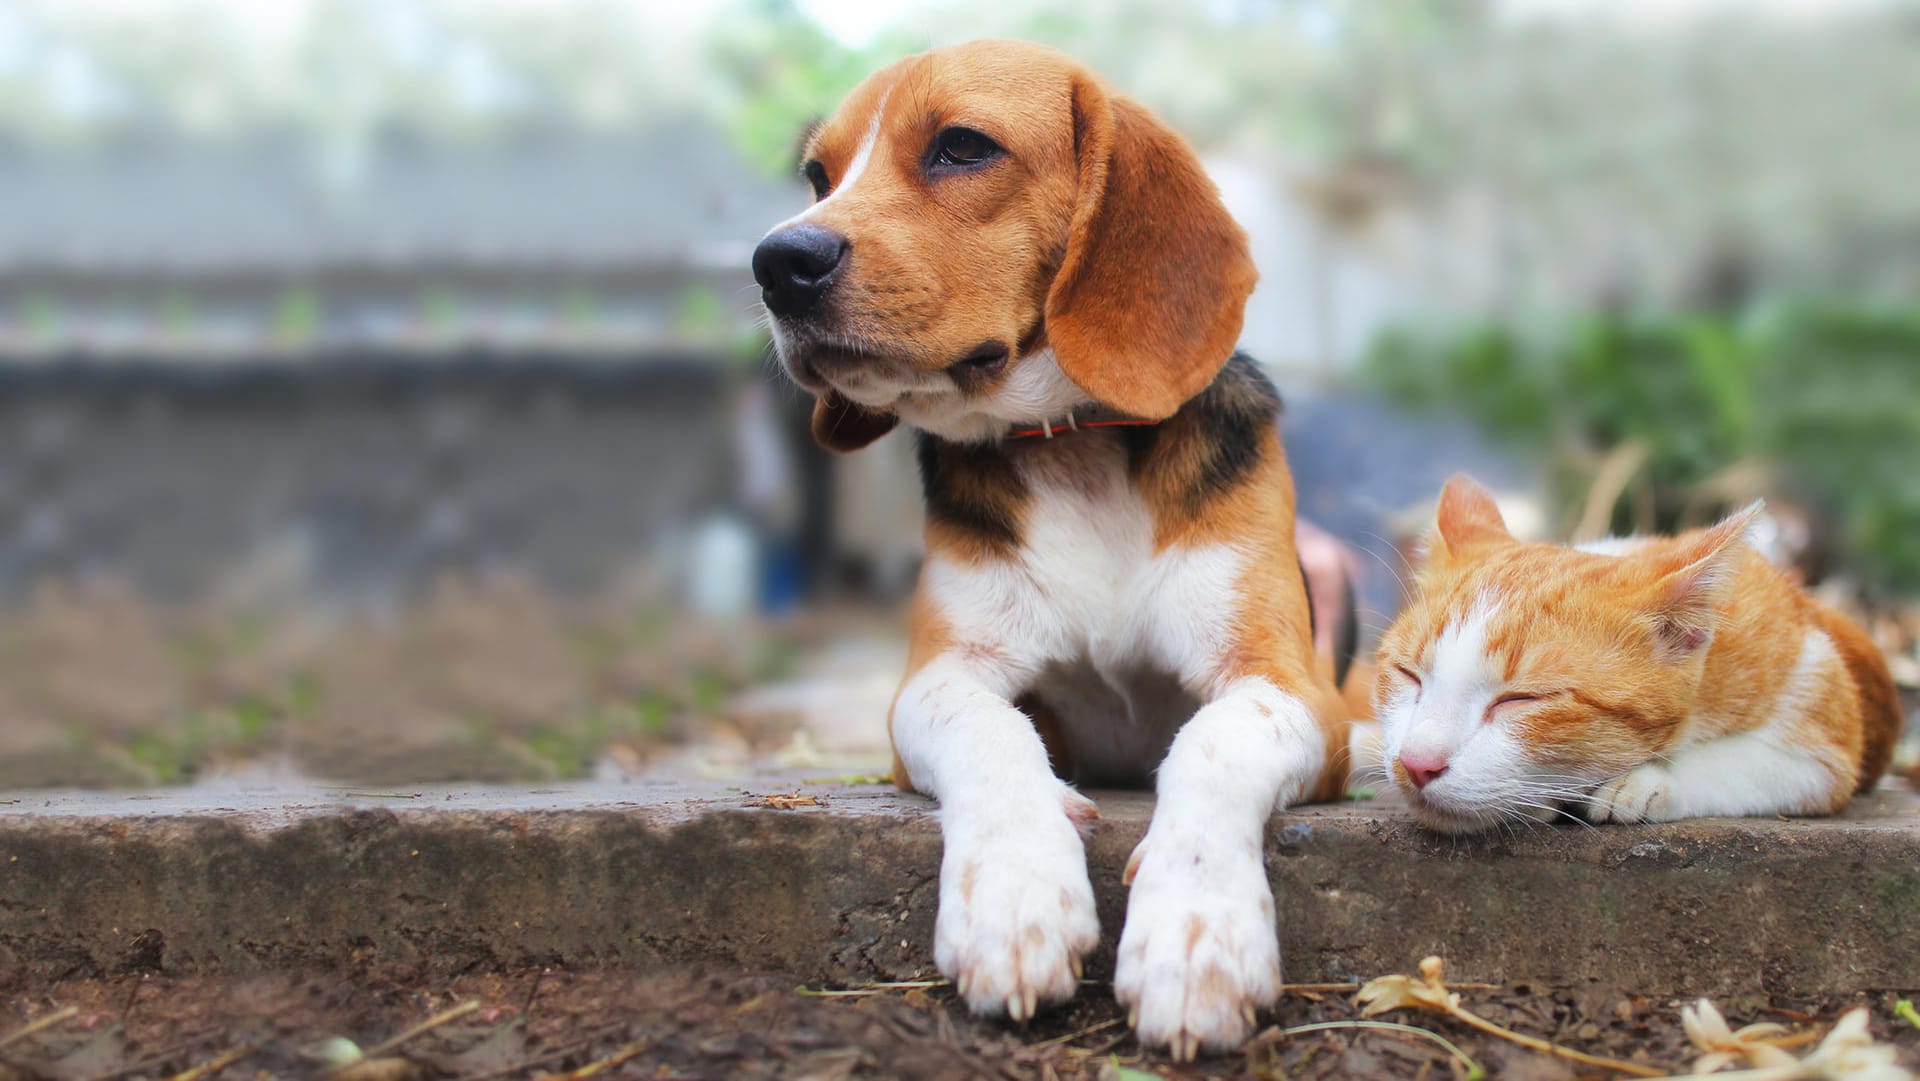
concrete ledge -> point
(450, 880)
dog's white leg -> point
(1016, 909)
(1200, 952)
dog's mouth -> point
(864, 376)
(820, 363)
(804, 375)
(873, 376)
(980, 367)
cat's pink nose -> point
(1422, 768)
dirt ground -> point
(712, 1023)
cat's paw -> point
(1642, 794)
(1016, 910)
(1199, 954)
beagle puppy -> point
(1035, 273)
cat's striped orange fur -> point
(1646, 679)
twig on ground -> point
(868, 989)
(1072, 1036)
(1353, 986)
(1430, 992)
(614, 1061)
(1096, 1052)
(1474, 1069)
(526, 1008)
(213, 1066)
(141, 1065)
(57, 1017)
(949, 1041)
(549, 1055)
(424, 1027)
(785, 801)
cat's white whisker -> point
(1554, 809)
(1405, 590)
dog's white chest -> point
(1071, 589)
(1112, 635)
(1089, 541)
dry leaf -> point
(785, 801)
(1429, 992)
(1850, 1054)
(1723, 1046)
(1390, 993)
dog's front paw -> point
(1642, 794)
(1199, 955)
(1016, 911)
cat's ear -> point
(1703, 568)
(1467, 520)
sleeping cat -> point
(1637, 680)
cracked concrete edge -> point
(845, 893)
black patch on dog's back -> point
(1231, 414)
(1214, 442)
(972, 489)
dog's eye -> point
(817, 176)
(962, 148)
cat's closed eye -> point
(1407, 674)
(1517, 700)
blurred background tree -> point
(1685, 415)
(436, 313)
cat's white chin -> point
(1478, 819)
(1443, 821)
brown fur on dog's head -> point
(1088, 258)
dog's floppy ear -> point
(1147, 305)
(842, 425)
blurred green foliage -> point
(296, 316)
(1825, 397)
(781, 72)
(1329, 78)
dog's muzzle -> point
(796, 266)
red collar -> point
(1076, 420)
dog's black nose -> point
(795, 265)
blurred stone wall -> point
(357, 478)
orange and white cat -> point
(1633, 680)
